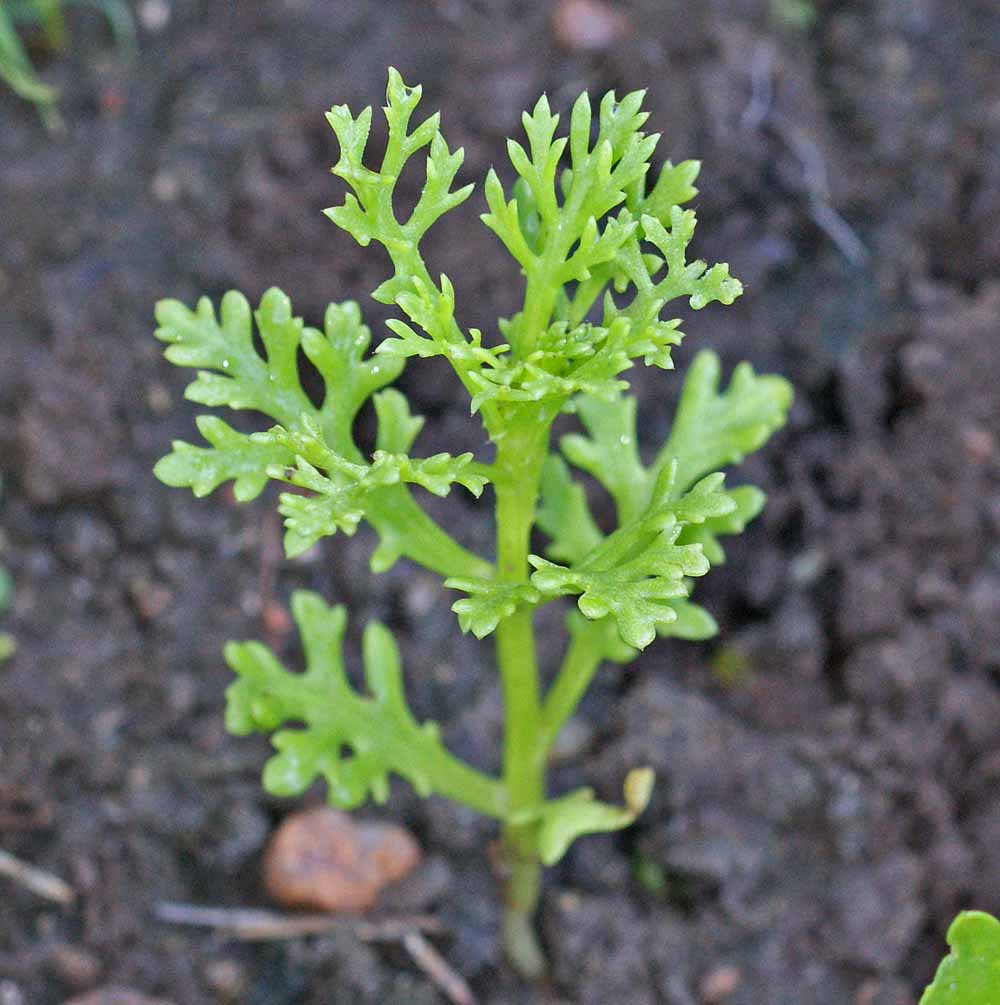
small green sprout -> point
(798, 15)
(7, 644)
(602, 251)
(49, 15)
(970, 973)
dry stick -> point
(437, 969)
(759, 113)
(252, 925)
(38, 881)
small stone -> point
(149, 599)
(154, 15)
(422, 593)
(721, 982)
(165, 187)
(589, 25)
(115, 995)
(84, 540)
(276, 621)
(226, 978)
(159, 398)
(574, 738)
(922, 363)
(933, 590)
(979, 443)
(75, 966)
(321, 858)
(867, 994)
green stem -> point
(543, 287)
(518, 469)
(582, 660)
(539, 302)
(393, 511)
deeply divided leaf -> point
(352, 741)
(311, 447)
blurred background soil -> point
(828, 768)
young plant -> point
(49, 15)
(15, 66)
(602, 253)
(7, 644)
(970, 973)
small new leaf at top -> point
(563, 239)
(580, 231)
(368, 212)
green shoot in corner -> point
(970, 973)
(48, 16)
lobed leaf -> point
(232, 456)
(635, 593)
(561, 821)
(577, 232)
(368, 212)
(233, 374)
(712, 429)
(353, 741)
(312, 446)
(638, 574)
(610, 453)
(343, 488)
(748, 500)
(694, 280)
(489, 602)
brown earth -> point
(829, 768)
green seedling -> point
(49, 16)
(7, 645)
(602, 252)
(799, 15)
(970, 973)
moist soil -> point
(828, 769)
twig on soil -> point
(38, 881)
(437, 968)
(761, 87)
(761, 113)
(252, 925)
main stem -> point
(518, 469)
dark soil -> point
(829, 768)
